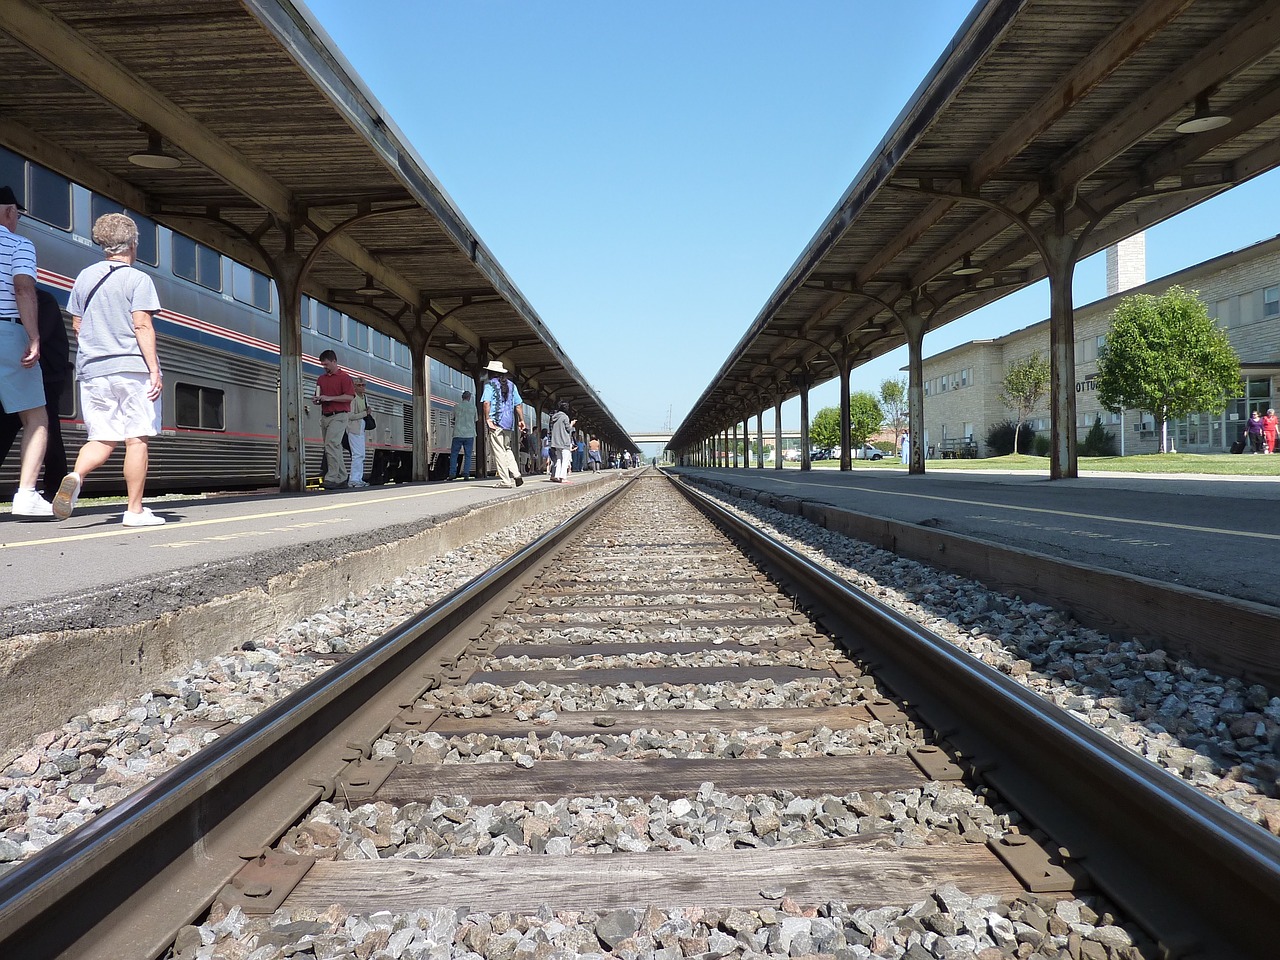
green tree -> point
(893, 401)
(865, 417)
(1165, 356)
(824, 431)
(1024, 385)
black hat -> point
(7, 197)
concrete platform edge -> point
(51, 677)
(1232, 637)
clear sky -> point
(646, 173)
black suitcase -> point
(1238, 447)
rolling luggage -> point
(1238, 447)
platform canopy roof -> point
(279, 142)
(1038, 112)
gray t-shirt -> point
(107, 343)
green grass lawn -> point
(1220, 464)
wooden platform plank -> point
(582, 723)
(865, 874)
(620, 648)
(552, 779)
(649, 676)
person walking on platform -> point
(54, 363)
(593, 453)
(355, 431)
(503, 414)
(464, 437)
(21, 389)
(334, 392)
(562, 446)
(111, 305)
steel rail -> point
(1197, 877)
(121, 885)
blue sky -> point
(647, 173)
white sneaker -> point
(64, 501)
(28, 503)
(144, 519)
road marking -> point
(213, 521)
(1159, 524)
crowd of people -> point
(117, 369)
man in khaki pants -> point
(334, 392)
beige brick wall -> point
(1233, 288)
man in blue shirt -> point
(503, 415)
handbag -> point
(369, 422)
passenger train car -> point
(218, 340)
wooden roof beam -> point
(1248, 41)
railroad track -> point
(631, 714)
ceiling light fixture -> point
(1204, 118)
(154, 157)
(966, 268)
(368, 288)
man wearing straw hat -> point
(503, 415)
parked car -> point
(820, 453)
(868, 452)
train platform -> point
(1212, 533)
(91, 572)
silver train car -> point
(218, 340)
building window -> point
(251, 287)
(1271, 302)
(200, 408)
(195, 261)
(148, 232)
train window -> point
(195, 261)
(202, 408)
(358, 336)
(148, 244)
(251, 287)
(402, 354)
(328, 322)
(208, 267)
(49, 198)
(13, 171)
(381, 345)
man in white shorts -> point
(116, 363)
(21, 386)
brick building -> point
(1242, 291)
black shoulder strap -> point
(105, 277)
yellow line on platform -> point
(1161, 524)
(213, 521)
